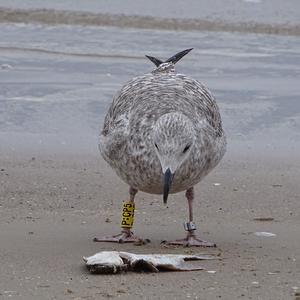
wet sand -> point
(53, 205)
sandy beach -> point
(56, 192)
(53, 206)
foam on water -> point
(256, 11)
(268, 16)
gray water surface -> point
(56, 82)
(256, 11)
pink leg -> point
(191, 239)
(126, 235)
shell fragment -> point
(264, 234)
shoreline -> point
(63, 17)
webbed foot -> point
(126, 236)
(191, 240)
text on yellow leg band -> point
(127, 215)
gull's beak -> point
(168, 177)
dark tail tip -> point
(156, 61)
(174, 59)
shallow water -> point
(56, 82)
(257, 11)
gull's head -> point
(173, 139)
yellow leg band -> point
(127, 215)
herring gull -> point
(162, 134)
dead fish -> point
(112, 262)
(105, 262)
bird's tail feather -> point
(173, 59)
(155, 60)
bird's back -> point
(162, 91)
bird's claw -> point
(190, 241)
(123, 237)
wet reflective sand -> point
(59, 80)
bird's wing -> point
(114, 135)
(205, 107)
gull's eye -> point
(187, 147)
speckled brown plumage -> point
(180, 104)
